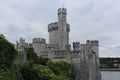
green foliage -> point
(63, 77)
(28, 73)
(37, 72)
(52, 66)
(7, 53)
(61, 69)
(42, 61)
(11, 74)
(31, 55)
(44, 73)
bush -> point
(37, 72)
(61, 69)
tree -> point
(7, 53)
(11, 74)
(28, 73)
(8, 70)
(31, 55)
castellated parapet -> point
(54, 27)
(76, 46)
(93, 42)
(62, 10)
(39, 40)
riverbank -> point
(111, 69)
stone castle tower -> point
(59, 31)
(84, 58)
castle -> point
(84, 58)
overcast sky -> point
(89, 19)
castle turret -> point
(59, 31)
(63, 29)
(20, 46)
(22, 41)
(53, 33)
(39, 45)
(62, 14)
(95, 59)
(95, 46)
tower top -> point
(62, 10)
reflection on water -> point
(110, 75)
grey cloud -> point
(89, 19)
(113, 50)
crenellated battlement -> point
(76, 46)
(65, 54)
(59, 54)
(39, 40)
(93, 42)
(62, 10)
(53, 27)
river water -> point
(110, 75)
